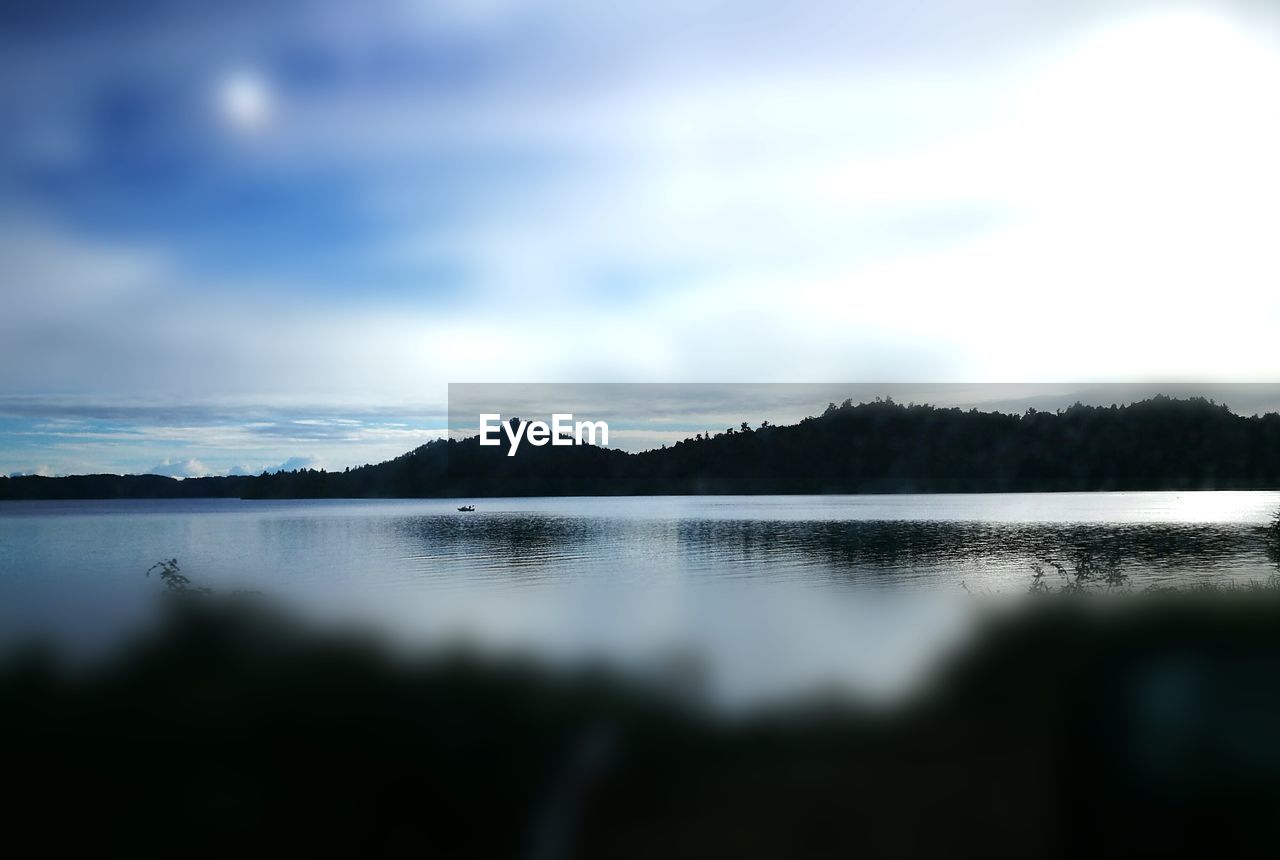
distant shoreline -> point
(878, 448)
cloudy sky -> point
(238, 235)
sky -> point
(237, 236)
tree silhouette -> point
(876, 447)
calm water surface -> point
(767, 595)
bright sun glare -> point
(244, 101)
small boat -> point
(467, 508)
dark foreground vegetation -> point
(881, 447)
(1079, 725)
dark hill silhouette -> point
(119, 487)
(879, 447)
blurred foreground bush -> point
(1078, 725)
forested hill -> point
(879, 447)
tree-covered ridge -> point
(882, 446)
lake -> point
(746, 599)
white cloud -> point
(43, 471)
(189, 468)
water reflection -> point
(769, 594)
(530, 547)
